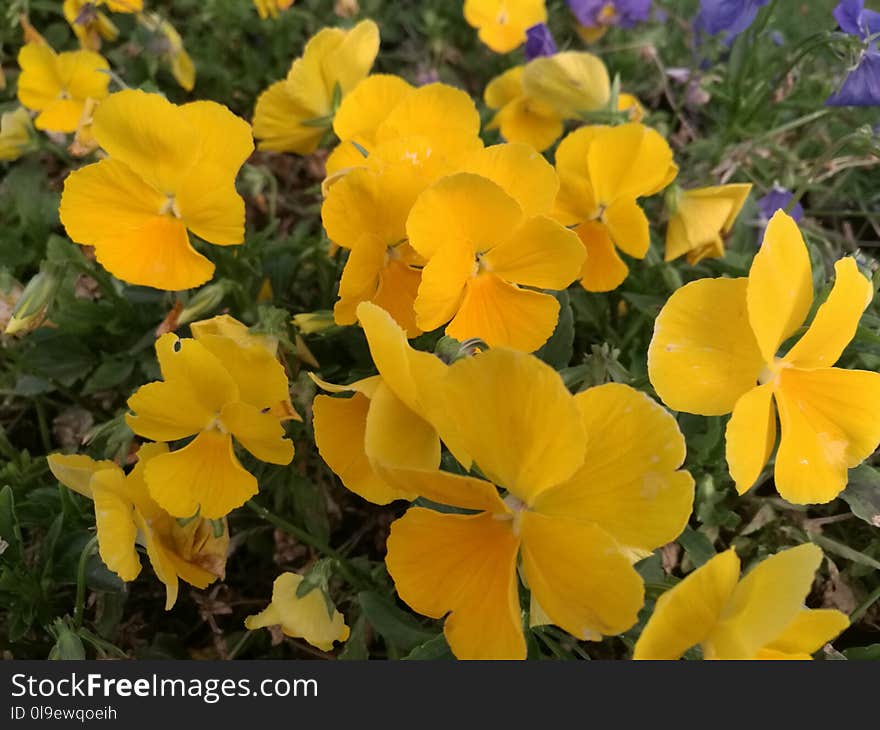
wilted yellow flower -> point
(90, 25)
(437, 117)
(716, 350)
(384, 421)
(518, 118)
(214, 388)
(292, 115)
(593, 482)
(700, 217)
(271, 8)
(84, 142)
(761, 616)
(630, 104)
(16, 134)
(168, 45)
(170, 169)
(602, 173)
(489, 245)
(502, 24)
(309, 323)
(58, 84)
(303, 617)
(126, 514)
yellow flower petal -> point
(40, 82)
(195, 388)
(528, 122)
(353, 58)
(627, 162)
(365, 108)
(764, 603)
(829, 421)
(254, 368)
(703, 356)
(210, 206)
(628, 484)
(450, 489)
(504, 88)
(442, 287)
(628, 226)
(443, 114)
(780, 290)
(260, 433)
(540, 253)
(340, 428)
(517, 420)
(521, 172)
(569, 82)
(503, 315)
(75, 471)
(836, 320)
(809, 631)
(686, 614)
(603, 269)
(576, 201)
(277, 118)
(115, 523)
(702, 216)
(61, 115)
(303, 617)
(751, 436)
(161, 560)
(396, 294)
(83, 75)
(464, 565)
(396, 436)
(579, 576)
(203, 477)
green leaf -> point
(862, 494)
(356, 646)
(433, 649)
(558, 350)
(395, 625)
(108, 375)
(871, 652)
(10, 533)
(697, 546)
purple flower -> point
(852, 18)
(862, 86)
(778, 199)
(730, 16)
(596, 13)
(539, 42)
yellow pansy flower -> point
(385, 108)
(271, 8)
(126, 514)
(303, 617)
(385, 420)
(716, 350)
(571, 83)
(761, 616)
(58, 84)
(214, 389)
(630, 104)
(292, 115)
(700, 218)
(173, 53)
(502, 24)
(518, 118)
(602, 173)
(16, 134)
(592, 481)
(88, 23)
(169, 169)
(489, 245)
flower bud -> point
(205, 301)
(33, 304)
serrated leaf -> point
(862, 494)
(697, 546)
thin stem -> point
(240, 644)
(352, 574)
(863, 607)
(79, 606)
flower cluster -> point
(532, 504)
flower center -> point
(770, 372)
(169, 207)
(516, 507)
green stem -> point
(863, 607)
(352, 574)
(79, 606)
(240, 644)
